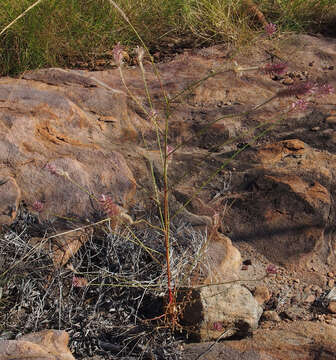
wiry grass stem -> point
(20, 16)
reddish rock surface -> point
(86, 125)
(294, 341)
(46, 345)
(269, 174)
(220, 311)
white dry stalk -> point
(282, 298)
(20, 16)
(183, 264)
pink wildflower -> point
(218, 326)
(271, 269)
(274, 69)
(38, 206)
(54, 170)
(110, 208)
(118, 54)
(270, 29)
(170, 150)
(324, 89)
(300, 104)
(299, 89)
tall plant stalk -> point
(166, 212)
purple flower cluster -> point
(270, 29)
(273, 69)
(109, 206)
(118, 54)
(298, 89)
(38, 206)
(303, 89)
(271, 269)
(323, 89)
(54, 170)
(300, 104)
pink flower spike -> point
(274, 69)
(170, 149)
(38, 206)
(109, 206)
(300, 104)
(54, 170)
(324, 89)
(271, 269)
(51, 168)
(270, 29)
(118, 54)
(218, 326)
(299, 89)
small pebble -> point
(287, 81)
(331, 322)
(262, 294)
(316, 288)
(271, 316)
(331, 120)
(310, 298)
(332, 307)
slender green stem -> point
(165, 157)
(166, 212)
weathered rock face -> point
(220, 310)
(285, 202)
(46, 345)
(299, 340)
(41, 126)
(278, 194)
(221, 260)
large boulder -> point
(219, 311)
(41, 125)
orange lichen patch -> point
(49, 135)
(274, 153)
(108, 119)
(30, 147)
(46, 344)
(273, 216)
(314, 193)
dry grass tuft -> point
(106, 295)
